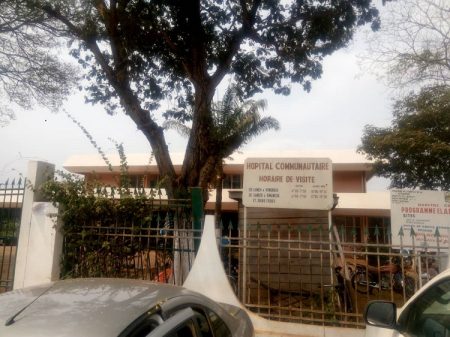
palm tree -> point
(235, 121)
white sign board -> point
(423, 211)
(299, 183)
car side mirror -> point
(381, 314)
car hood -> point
(88, 307)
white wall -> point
(40, 241)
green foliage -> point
(235, 122)
(30, 71)
(82, 202)
(88, 210)
(165, 45)
(124, 178)
(415, 151)
(136, 54)
(9, 229)
(91, 139)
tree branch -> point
(248, 20)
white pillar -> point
(40, 241)
(207, 275)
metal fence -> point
(304, 274)
(11, 196)
(288, 272)
(158, 246)
(299, 274)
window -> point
(203, 325)
(349, 228)
(378, 230)
(232, 181)
(186, 321)
(186, 330)
(181, 323)
(142, 326)
(429, 315)
(200, 324)
(137, 181)
(143, 181)
(219, 327)
(153, 181)
(210, 324)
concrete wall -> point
(40, 241)
(349, 182)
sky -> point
(331, 116)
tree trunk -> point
(199, 147)
(155, 136)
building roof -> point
(343, 160)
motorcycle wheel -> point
(361, 282)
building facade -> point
(360, 214)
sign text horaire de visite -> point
(301, 183)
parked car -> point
(426, 314)
(117, 307)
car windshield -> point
(429, 315)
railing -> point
(11, 196)
(303, 274)
(293, 273)
(158, 247)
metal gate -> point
(11, 196)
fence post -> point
(40, 241)
(197, 214)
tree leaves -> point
(136, 54)
(30, 69)
(415, 151)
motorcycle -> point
(398, 274)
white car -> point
(426, 314)
(116, 307)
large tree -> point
(415, 151)
(412, 47)
(235, 123)
(30, 72)
(138, 52)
